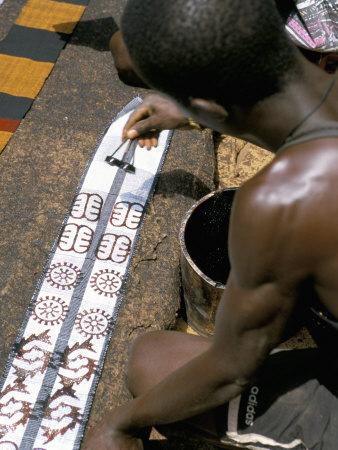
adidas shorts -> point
(292, 405)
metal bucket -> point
(204, 258)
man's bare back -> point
(297, 193)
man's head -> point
(123, 62)
(234, 52)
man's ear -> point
(208, 110)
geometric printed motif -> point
(87, 206)
(106, 282)
(76, 237)
(127, 214)
(114, 247)
(50, 310)
(63, 275)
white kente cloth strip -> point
(53, 370)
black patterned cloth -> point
(313, 24)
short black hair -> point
(230, 51)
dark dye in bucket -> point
(206, 235)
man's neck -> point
(270, 122)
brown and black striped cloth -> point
(28, 54)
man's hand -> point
(156, 113)
(105, 437)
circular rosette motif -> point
(106, 282)
(63, 275)
(93, 323)
(50, 310)
(7, 445)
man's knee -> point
(155, 355)
(138, 362)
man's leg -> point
(156, 355)
(290, 393)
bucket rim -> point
(184, 249)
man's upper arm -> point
(261, 294)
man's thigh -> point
(281, 408)
(157, 354)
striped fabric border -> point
(54, 367)
(28, 54)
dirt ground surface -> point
(238, 161)
(41, 168)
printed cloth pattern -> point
(53, 369)
(28, 54)
(314, 25)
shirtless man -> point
(236, 72)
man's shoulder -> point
(291, 205)
(301, 175)
(279, 186)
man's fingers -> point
(132, 134)
(145, 142)
(136, 116)
(149, 141)
(149, 144)
(154, 142)
(140, 128)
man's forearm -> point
(197, 387)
